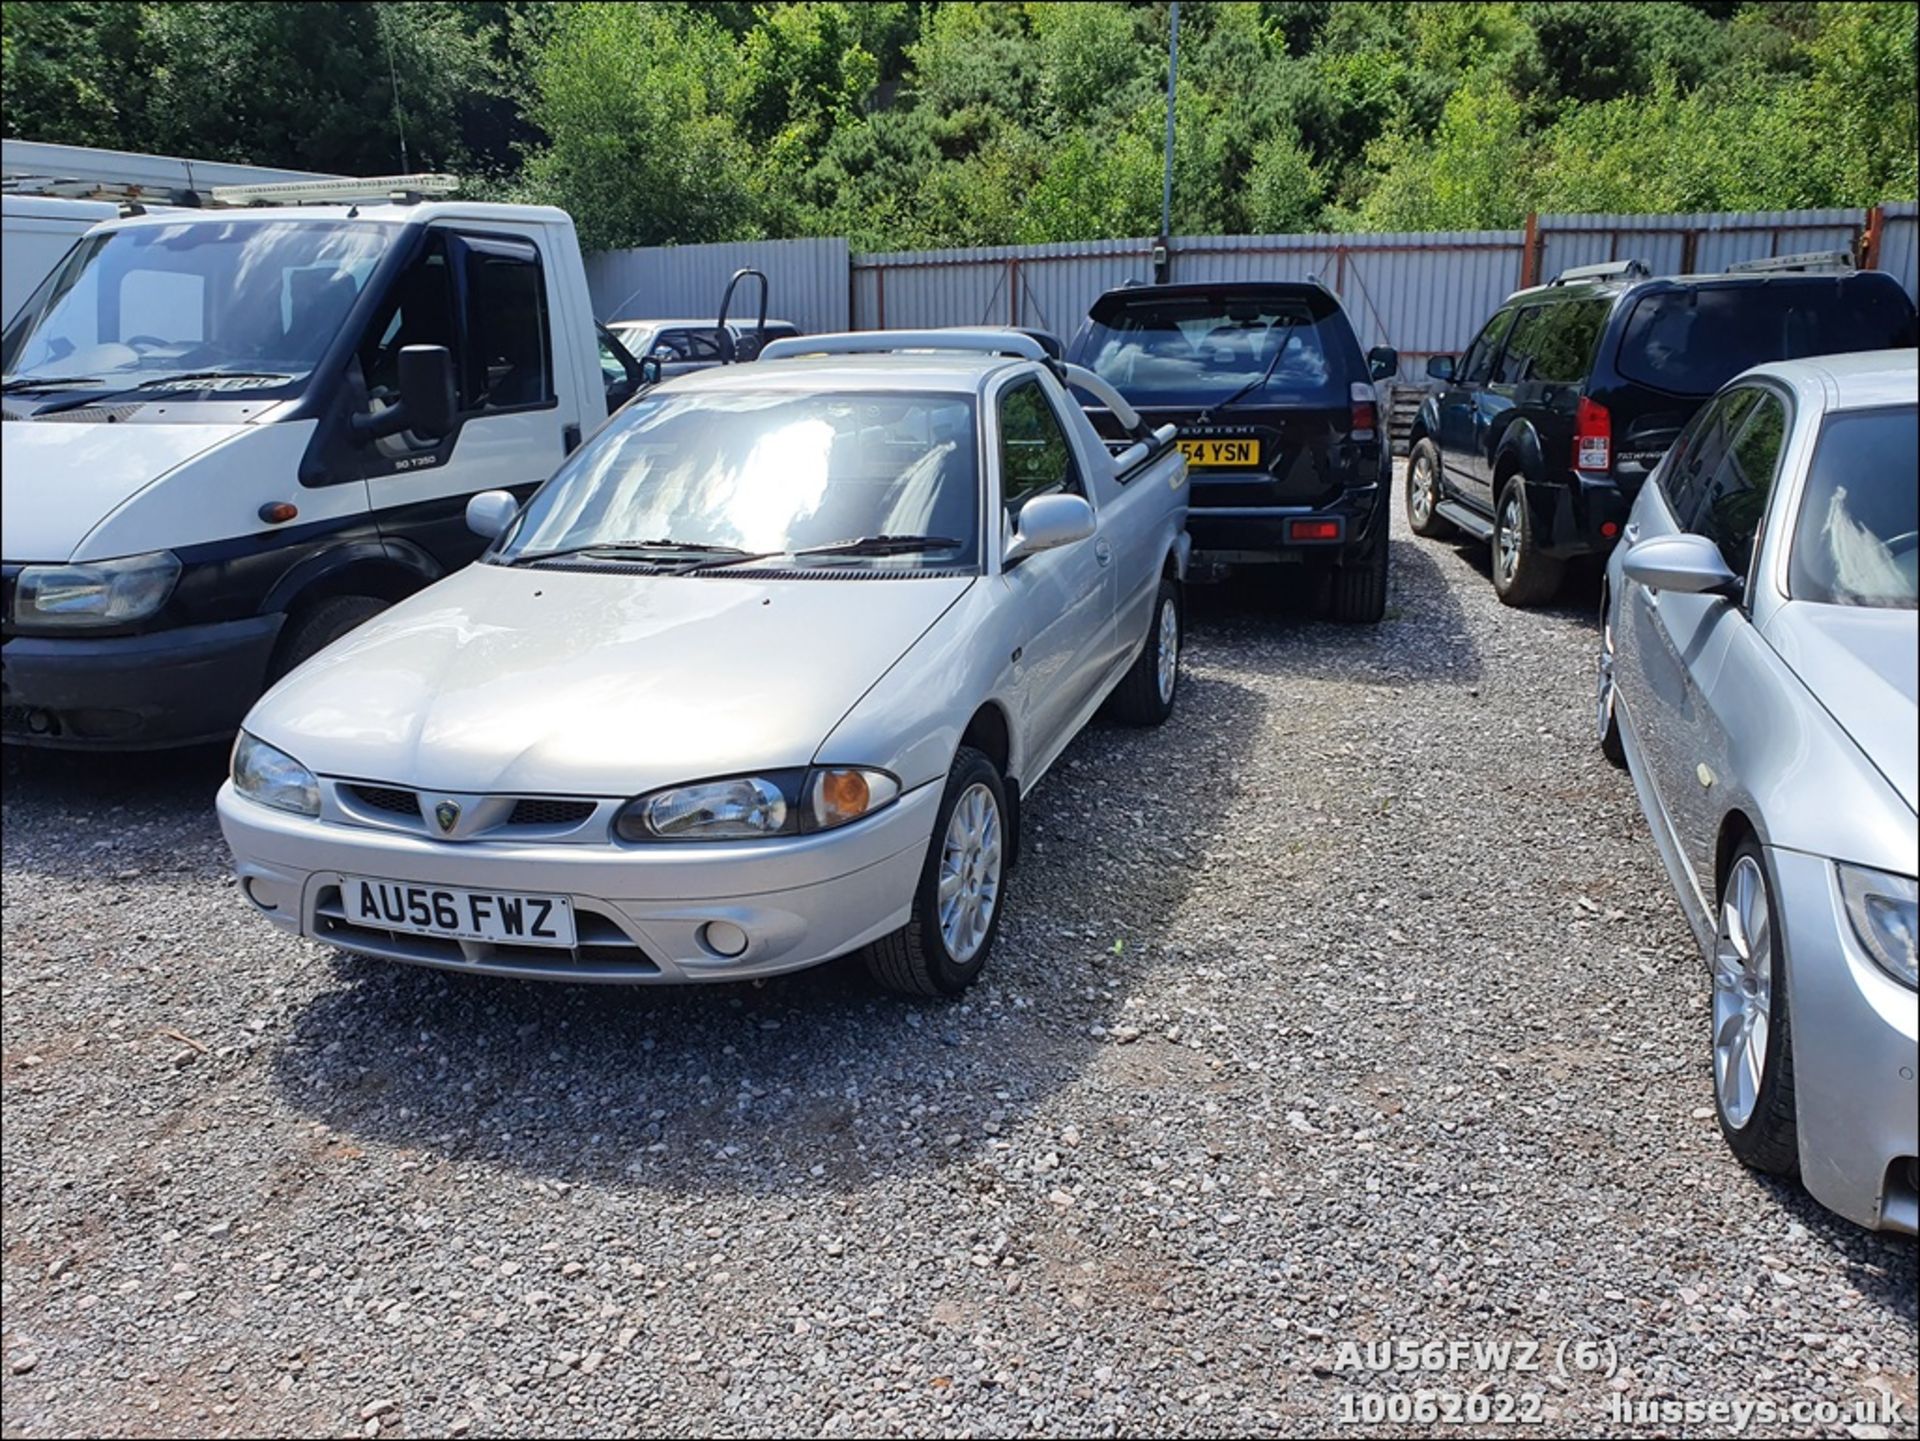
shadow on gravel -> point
(1879, 1265)
(1424, 639)
(810, 1084)
(69, 815)
(1579, 598)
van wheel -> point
(956, 906)
(1145, 694)
(1360, 587)
(1423, 492)
(1521, 574)
(318, 626)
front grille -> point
(388, 798)
(603, 951)
(550, 813)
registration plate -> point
(456, 914)
(1221, 452)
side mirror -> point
(1048, 522)
(1383, 362)
(490, 512)
(650, 371)
(426, 389)
(1690, 564)
(1440, 367)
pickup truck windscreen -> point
(227, 306)
(717, 476)
(1198, 350)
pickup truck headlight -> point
(95, 592)
(270, 776)
(778, 803)
(1884, 910)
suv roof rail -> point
(1805, 260)
(1610, 270)
(400, 189)
(977, 340)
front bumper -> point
(1854, 1033)
(134, 692)
(1581, 515)
(639, 910)
(1254, 534)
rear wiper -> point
(1252, 385)
(883, 545)
(633, 547)
(47, 382)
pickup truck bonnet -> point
(60, 479)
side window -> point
(418, 312)
(1035, 456)
(1516, 360)
(505, 365)
(1477, 363)
(1735, 496)
(1700, 448)
(1563, 351)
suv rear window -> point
(1199, 349)
(1693, 341)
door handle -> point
(1631, 533)
(1103, 552)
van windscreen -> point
(1693, 341)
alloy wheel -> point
(970, 862)
(1420, 496)
(1169, 669)
(1742, 992)
(1508, 538)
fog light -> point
(723, 938)
(254, 894)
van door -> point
(490, 300)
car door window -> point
(1516, 357)
(506, 365)
(1700, 448)
(1035, 455)
(1735, 496)
(1477, 363)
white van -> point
(232, 435)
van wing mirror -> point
(426, 406)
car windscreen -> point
(1200, 349)
(1857, 539)
(773, 471)
(1693, 341)
(256, 301)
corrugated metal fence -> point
(1423, 293)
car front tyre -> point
(957, 903)
(1606, 693)
(1752, 1033)
(1423, 492)
(1521, 574)
(1146, 693)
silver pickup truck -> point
(757, 679)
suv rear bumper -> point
(1255, 534)
(1580, 515)
(134, 692)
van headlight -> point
(776, 803)
(270, 776)
(1884, 910)
(95, 592)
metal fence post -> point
(1870, 239)
(1530, 252)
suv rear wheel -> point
(1521, 574)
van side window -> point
(1035, 455)
(506, 364)
(1735, 496)
(419, 312)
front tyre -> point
(1146, 693)
(1606, 720)
(1521, 574)
(1752, 1037)
(956, 905)
(1423, 492)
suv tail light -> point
(1366, 412)
(1592, 436)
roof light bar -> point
(308, 192)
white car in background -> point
(1758, 660)
(759, 678)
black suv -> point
(1277, 415)
(1539, 436)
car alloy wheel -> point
(970, 864)
(1603, 682)
(1169, 668)
(1742, 992)
(1420, 490)
(1508, 539)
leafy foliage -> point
(909, 123)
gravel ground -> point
(1350, 1007)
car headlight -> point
(95, 592)
(1884, 910)
(270, 776)
(777, 803)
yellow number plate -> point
(1221, 452)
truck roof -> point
(377, 212)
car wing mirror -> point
(1690, 564)
(1440, 367)
(1048, 522)
(1383, 362)
(490, 512)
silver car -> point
(1757, 676)
(759, 678)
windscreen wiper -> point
(634, 547)
(46, 382)
(882, 545)
(1253, 385)
(162, 383)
